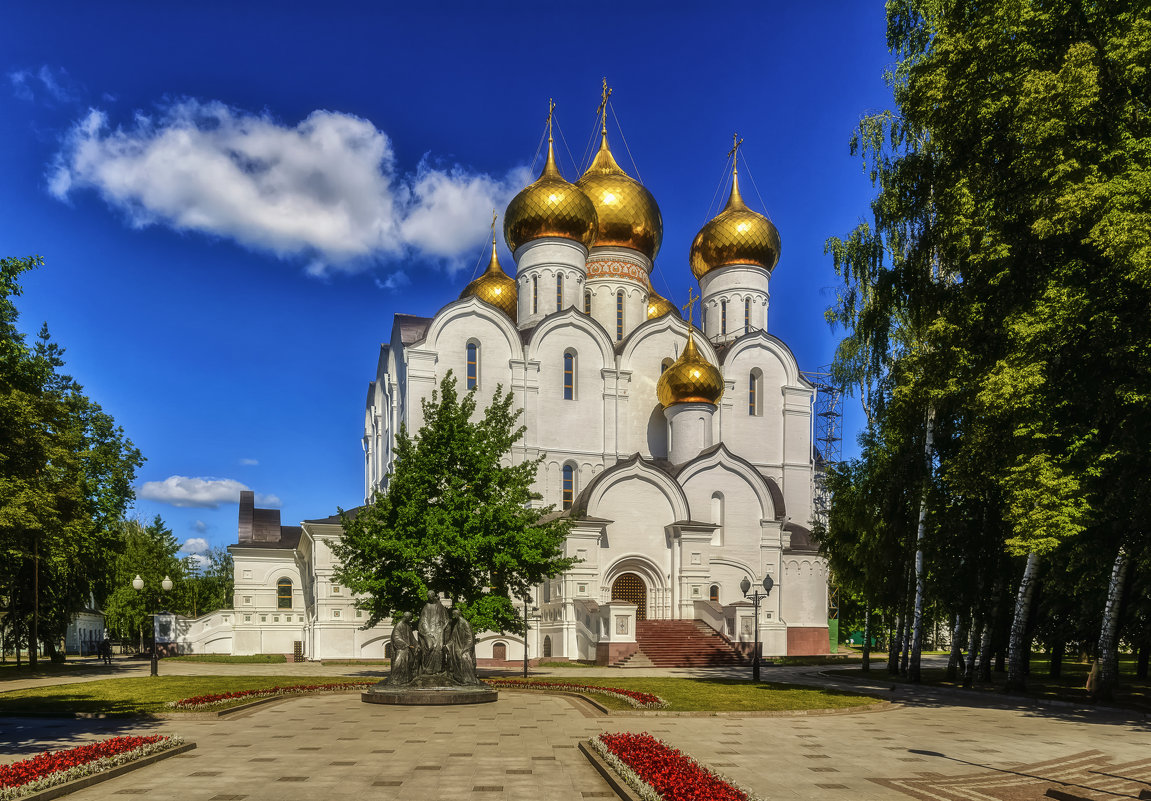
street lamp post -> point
(756, 597)
(534, 609)
(138, 585)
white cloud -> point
(200, 526)
(200, 560)
(249, 462)
(194, 545)
(204, 493)
(324, 190)
(47, 83)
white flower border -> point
(256, 695)
(579, 688)
(90, 768)
(645, 790)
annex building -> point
(683, 455)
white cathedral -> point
(683, 456)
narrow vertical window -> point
(666, 363)
(619, 315)
(587, 303)
(751, 397)
(569, 376)
(569, 486)
(747, 315)
(473, 365)
(559, 291)
(535, 294)
(723, 317)
(284, 593)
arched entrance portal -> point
(630, 588)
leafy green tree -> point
(66, 473)
(457, 518)
(150, 553)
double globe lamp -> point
(166, 584)
(756, 597)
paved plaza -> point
(927, 745)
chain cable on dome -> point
(634, 166)
(712, 208)
(762, 205)
(563, 139)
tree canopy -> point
(1001, 290)
(456, 518)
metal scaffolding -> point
(828, 436)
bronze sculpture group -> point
(442, 651)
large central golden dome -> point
(628, 214)
(549, 207)
(737, 235)
(690, 379)
(494, 286)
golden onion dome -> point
(737, 235)
(627, 212)
(494, 286)
(690, 379)
(658, 306)
(549, 207)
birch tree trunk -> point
(913, 673)
(956, 657)
(866, 667)
(1108, 664)
(895, 647)
(1016, 657)
(907, 612)
(972, 651)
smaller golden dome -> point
(627, 213)
(737, 235)
(690, 379)
(494, 286)
(658, 306)
(549, 207)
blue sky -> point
(234, 199)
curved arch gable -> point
(472, 307)
(583, 322)
(762, 339)
(720, 455)
(660, 325)
(636, 468)
(640, 564)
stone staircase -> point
(682, 643)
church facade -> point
(682, 455)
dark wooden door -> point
(630, 588)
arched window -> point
(284, 593)
(569, 486)
(587, 303)
(619, 315)
(547, 645)
(723, 317)
(473, 365)
(569, 375)
(747, 315)
(535, 294)
(714, 594)
(717, 517)
(754, 393)
(666, 363)
(559, 291)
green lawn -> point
(143, 695)
(723, 695)
(1070, 686)
(250, 659)
(138, 695)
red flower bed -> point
(639, 700)
(204, 701)
(669, 774)
(54, 767)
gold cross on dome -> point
(602, 110)
(734, 152)
(494, 216)
(690, 305)
(551, 112)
